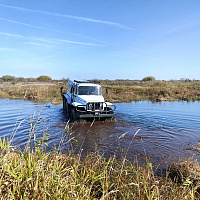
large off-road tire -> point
(66, 106)
(73, 115)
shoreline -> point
(118, 91)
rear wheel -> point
(64, 102)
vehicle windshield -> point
(89, 90)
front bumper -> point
(107, 113)
(95, 116)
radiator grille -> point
(94, 106)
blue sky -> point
(100, 39)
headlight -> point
(90, 106)
(101, 106)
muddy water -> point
(165, 129)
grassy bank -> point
(118, 90)
(50, 91)
(37, 174)
(127, 90)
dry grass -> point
(119, 91)
(195, 147)
(127, 91)
(33, 91)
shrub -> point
(148, 78)
(31, 79)
(22, 79)
(8, 78)
(44, 78)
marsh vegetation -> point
(35, 173)
(118, 90)
(129, 90)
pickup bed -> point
(84, 100)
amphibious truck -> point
(84, 101)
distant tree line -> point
(7, 78)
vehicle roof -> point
(80, 81)
(86, 83)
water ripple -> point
(166, 128)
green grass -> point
(37, 174)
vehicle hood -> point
(90, 98)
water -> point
(166, 129)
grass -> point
(35, 173)
(127, 90)
(195, 147)
(50, 91)
(119, 90)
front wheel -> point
(66, 106)
(73, 115)
(110, 119)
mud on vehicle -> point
(84, 100)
